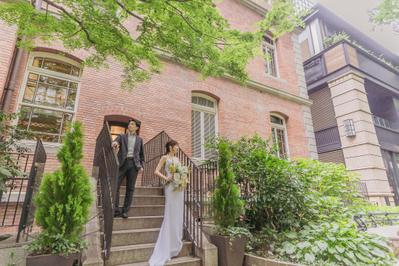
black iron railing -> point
(376, 219)
(16, 208)
(198, 193)
(35, 177)
(106, 163)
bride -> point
(169, 241)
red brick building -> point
(50, 87)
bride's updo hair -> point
(169, 145)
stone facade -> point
(362, 152)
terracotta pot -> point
(230, 250)
(52, 260)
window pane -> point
(281, 143)
(33, 77)
(59, 66)
(23, 122)
(75, 71)
(37, 62)
(209, 133)
(50, 95)
(46, 121)
(71, 100)
(53, 81)
(29, 92)
(276, 120)
(73, 85)
(66, 123)
(196, 133)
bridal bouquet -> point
(179, 174)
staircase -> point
(133, 239)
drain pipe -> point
(9, 87)
(15, 64)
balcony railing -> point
(382, 122)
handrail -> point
(197, 194)
(107, 163)
(368, 220)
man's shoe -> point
(124, 215)
(117, 214)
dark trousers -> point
(129, 170)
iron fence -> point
(106, 163)
(35, 177)
(376, 219)
(16, 208)
(198, 192)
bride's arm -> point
(159, 167)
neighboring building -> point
(51, 88)
(355, 101)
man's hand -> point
(115, 145)
(141, 169)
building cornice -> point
(259, 8)
(251, 84)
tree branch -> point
(128, 11)
(73, 18)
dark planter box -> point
(230, 251)
(53, 260)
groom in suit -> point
(131, 162)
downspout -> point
(9, 87)
(15, 64)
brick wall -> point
(7, 44)
(164, 102)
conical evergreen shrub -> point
(63, 201)
(226, 202)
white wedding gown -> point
(170, 237)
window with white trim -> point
(279, 136)
(48, 101)
(203, 125)
(269, 50)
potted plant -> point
(62, 207)
(227, 208)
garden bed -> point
(252, 260)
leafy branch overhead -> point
(135, 32)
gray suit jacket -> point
(138, 151)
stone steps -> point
(146, 210)
(182, 261)
(138, 222)
(133, 239)
(139, 253)
(134, 236)
(144, 191)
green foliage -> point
(193, 32)
(63, 200)
(330, 189)
(334, 244)
(275, 197)
(10, 136)
(226, 202)
(301, 210)
(387, 12)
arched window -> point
(269, 50)
(203, 125)
(279, 135)
(49, 95)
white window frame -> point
(283, 127)
(266, 45)
(37, 70)
(204, 109)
